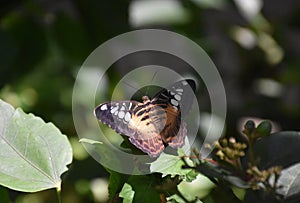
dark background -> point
(43, 44)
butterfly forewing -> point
(180, 95)
(117, 115)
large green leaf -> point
(281, 148)
(33, 154)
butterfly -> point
(153, 124)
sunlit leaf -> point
(200, 187)
(127, 193)
(33, 154)
(169, 165)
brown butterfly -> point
(151, 125)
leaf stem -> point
(251, 152)
(58, 193)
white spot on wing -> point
(121, 114)
(177, 97)
(174, 102)
(179, 90)
(113, 110)
(122, 108)
(103, 107)
(184, 83)
(130, 104)
(127, 116)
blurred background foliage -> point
(255, 45)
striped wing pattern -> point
(151, 124)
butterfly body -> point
(152, 124)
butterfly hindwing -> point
(152, 146)
(178, 140)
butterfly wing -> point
(153, 147)
(117, 115)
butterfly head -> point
(145, 99)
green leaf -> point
(127, 193)
(33, 154)
(290, 182)
(278, 149)
(191, 176)
(169, 165)
(200, 187)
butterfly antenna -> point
(133, 87)
(151, 81)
